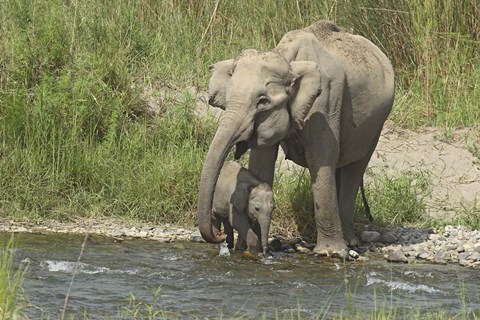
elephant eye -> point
(263, 103)
(257, 208)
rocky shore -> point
(450, 245)
(115, 229)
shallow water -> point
(196, 282)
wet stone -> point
(276, 244)
(196, 237)
(302, 249)
(353, 254)
(397, 256)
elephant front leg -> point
(327, 219)
(262, 162)
(239, 222)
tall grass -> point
(10, 284)
(77, 135)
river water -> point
(195, 282)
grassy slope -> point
(77, 138)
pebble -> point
(354, 254)
(452, 244)
(302, 249)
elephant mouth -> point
(240, 148)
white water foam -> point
(69, 267)
(399, 285)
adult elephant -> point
(322, 94)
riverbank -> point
(449, 245)
(118, 230)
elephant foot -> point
(330, 248)
(351, 239)
(251, 255)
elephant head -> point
(257, 202)
(260, 93)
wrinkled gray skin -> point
(242, 202)
(323, 95)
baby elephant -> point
(242, 202)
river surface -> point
(195, 282)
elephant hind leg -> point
(348, 180)
(229, 231)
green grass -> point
(78, 136)
(10, 284)
(384, 308)
(398, 200)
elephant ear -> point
(221, 73)
(306, 86)
(240, 197)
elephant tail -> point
(365, 202)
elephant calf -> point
(243, 202)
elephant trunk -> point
(222, 142)
(264, 223)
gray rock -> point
(474, 256)
(20, 229)
(424, 237)
(439, 258)
(370, 236)
(397, 256)
(452, 255)
(196, 237)
(388, 238)
(142, 234)
(433, 236)
(276, 244)
(463, 255)
(423, 255)
(460, 249)
(464, 263)
(301, 248)
(354, 254)
(118, 233)
(450, 247)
